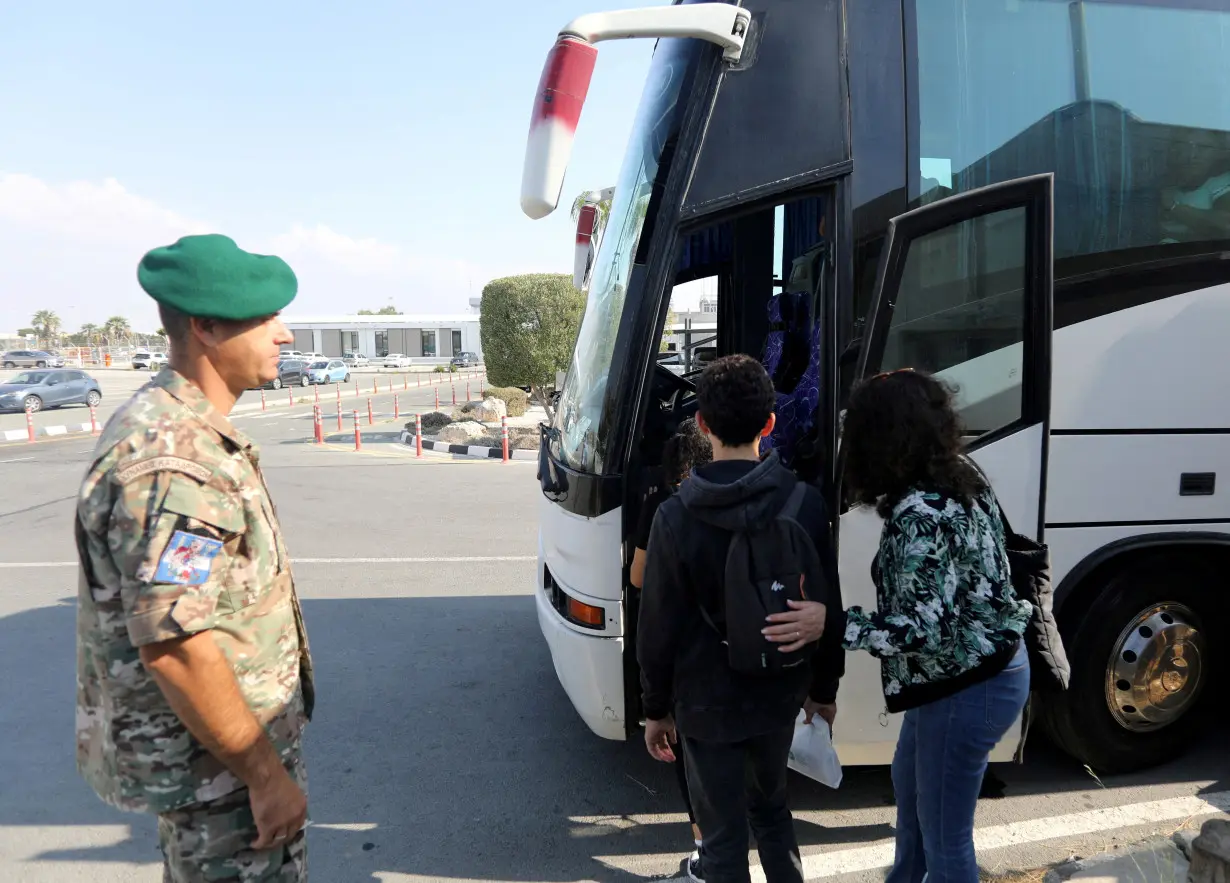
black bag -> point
(765, 569)
(1030, 564)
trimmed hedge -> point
(517, 400)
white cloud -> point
(103, 212)
(73, 247)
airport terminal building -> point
(431, 338)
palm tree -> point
(117, 326)
(48, 324)
(90, 332)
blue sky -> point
(376, 146)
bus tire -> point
(1142, 660)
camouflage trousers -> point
(212, 843)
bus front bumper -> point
(589, 667)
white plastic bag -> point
(812, 752)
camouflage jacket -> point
(176, 534)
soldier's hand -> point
(280, 810)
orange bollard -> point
(339, 417)
(262, 400)
(405, 382)
(369, 412)
(504, 436)
(316, 389)
(375, 386)
(396, 411)
(418, 435)
(437, 400)
(390, 384)
(358, 437)
(29, 424)
(467, 390)
(454, 386)
(93, 420)
(290, 397)
(318, 427)
(481, 389)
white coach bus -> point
(1030, 198)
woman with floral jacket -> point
(949, 624)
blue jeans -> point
(937, 773)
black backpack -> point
(764, 569)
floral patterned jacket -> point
(948, 615)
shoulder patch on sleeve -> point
(163, 464)
(187, 559)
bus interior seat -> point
(792, 346)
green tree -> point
(390, 310)
(528, 326)
(117, 327)
(47, 323)
(90, 332)
(671, 321)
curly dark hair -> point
(686, 449)
(735, 395)
(902, 432)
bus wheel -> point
(1141, 658)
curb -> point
(46, 431)
(479, 451)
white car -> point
(148, 359)
(290, 354)
(397, 360)
(354, 360)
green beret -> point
(213, 278)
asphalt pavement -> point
(443, 747)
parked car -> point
(328, 371)
(50, 388)
(397, 360)
(313, 357)
(465, 360)
(149, 359)
(354, 360)
(32, 359)
(291, 372)
(290, 354)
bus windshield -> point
(582, 412)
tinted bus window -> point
(1128, 104)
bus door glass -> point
(964, 292)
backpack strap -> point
(794, 502)
(1003, 515)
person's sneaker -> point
(694, 869)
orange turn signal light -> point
(585, 614)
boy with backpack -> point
(727, 627)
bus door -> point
(963, 292)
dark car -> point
(465, 360)
(50, 388)
(31, 359)
(291, 372)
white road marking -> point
(880, 856)
(17, 565)
(17, 460)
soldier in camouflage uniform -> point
(194, 680)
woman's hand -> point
(802, 625)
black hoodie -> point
(683, 661)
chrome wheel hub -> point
(1156, 669)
